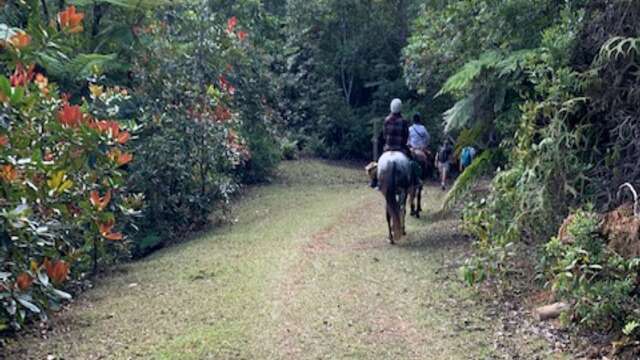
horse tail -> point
(392, 202)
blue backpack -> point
(466, 158)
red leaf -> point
(70, 115)
(71, 20)
(231, 24)
(24, 281)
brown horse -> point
(415, 200)
(424, 160)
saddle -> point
(421, 158)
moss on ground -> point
(305, 273)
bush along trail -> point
(305, 272)
(104, 153)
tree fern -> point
(491, 86)
(513, 62)
(470, 175)
(503, 64)
(463, 79)
(460, 115)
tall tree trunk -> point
(347, 80)
(404, 23)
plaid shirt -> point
(395, 133)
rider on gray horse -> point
(395, 132)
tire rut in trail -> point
(349, 238)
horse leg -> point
(412, 196)
(419, 205)
(403, 212)
(389, 226)
(396, 211)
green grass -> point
(306, 272)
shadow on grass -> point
(432, 218)
(425, 241)
(438, 231)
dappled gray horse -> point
(395, 182)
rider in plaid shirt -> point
(395, 132)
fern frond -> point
(514, 61)
(503, 64)
(463, 79)
(618, 47)
(460, 114)
(470, 175)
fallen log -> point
(551, 311)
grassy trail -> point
(305, 273)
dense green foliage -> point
(598, 282)
(64, 193)
(550, 88)
(189, 147)
(342, 69)
(175, 109)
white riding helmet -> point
(396, 106)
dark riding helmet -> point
(417, 117)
